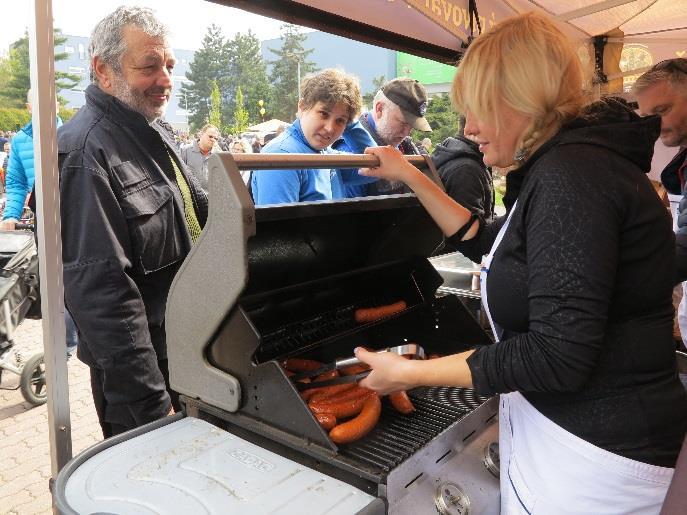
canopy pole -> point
(41, 46)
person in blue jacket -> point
(328, 109)
(19, 176)
(19, 180)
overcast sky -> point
(187, 19)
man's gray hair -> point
(672, 70)
(107, 39)
(381, 97)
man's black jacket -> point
(123, 238)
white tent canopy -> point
(438, 29)
(267, 127)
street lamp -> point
(297, 58)
(261, 103)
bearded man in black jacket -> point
(130, 213)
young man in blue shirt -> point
(328, 109)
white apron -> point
(548, 470)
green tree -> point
(247, 71)
(210, 64)
(284, 75)
(240, 114)
(377, 83)
(17, 82)
(215, 115)
(442, 118)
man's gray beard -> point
(134, 100)
(384, 133)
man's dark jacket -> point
(382, 186)
(123, 238)
(465, 176)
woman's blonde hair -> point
(527, 64)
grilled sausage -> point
(342, 408)
(326, 420)
(359, 426)
(341, 395)
(401, 402)
(324, 392)
(364, 315)
(301, 365)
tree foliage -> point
(248, 73)
(377, 83)
(209, 66)
(442, 118)
(12, 118)
(16, 73)
(215, 115)
(230, 64)
(240, 114)
(284, 75)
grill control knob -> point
(451, 500)
(491, 458)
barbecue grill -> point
(268, 283)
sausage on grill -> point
(324, 392)
(301, 365)
(364, 315)
(401, 402)
(347, 404)
(358, 427)
(326, 420)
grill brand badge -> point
(251, 460)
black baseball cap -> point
(411, 97)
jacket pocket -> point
(156, 234)
(129, 176)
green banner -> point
(424, 70)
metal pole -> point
(41, 46)
(298, 71)
(297, 161)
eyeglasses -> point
(679, 64)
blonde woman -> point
(241, 146)
(577, 283)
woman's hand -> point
(392, 165)
(390, 372)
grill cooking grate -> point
(298, 336)
(397, 437)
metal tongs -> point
(412, 350)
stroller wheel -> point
(32, 382)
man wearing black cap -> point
(398, 107)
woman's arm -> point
(446, 212)
(392, 373)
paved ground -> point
(24, 446)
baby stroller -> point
(19, 298)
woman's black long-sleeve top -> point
(581, 284)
